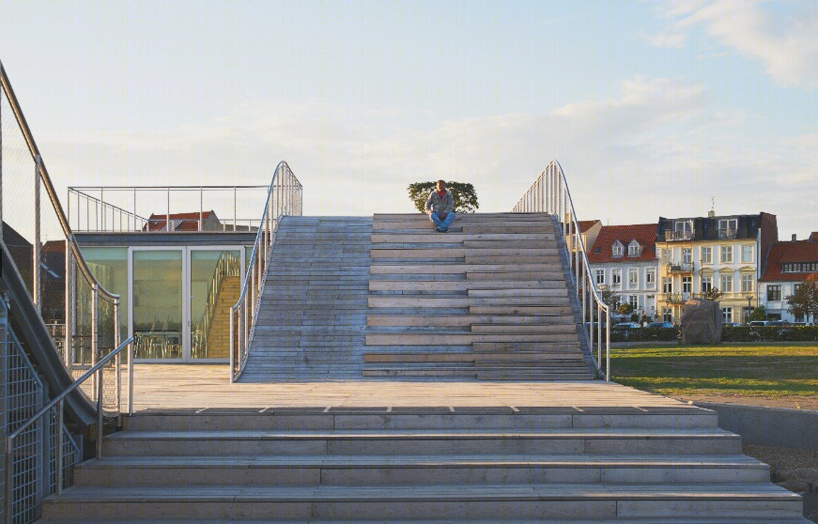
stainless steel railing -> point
(550, 194)
(74, 261)
(23, 176)
(285, 197)
(17, 477)
(115, 208)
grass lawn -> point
(773, 371)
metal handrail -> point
(58, 402)
(49, 187)
(135, 222)
(280, 202)
(550, 194)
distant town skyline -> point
(653, 108)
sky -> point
(653, 108)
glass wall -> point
(214, 288)
(109, 265)
(157, 303)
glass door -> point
(156, 312)
(215, 284)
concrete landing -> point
(173, 387)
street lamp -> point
(749, 306)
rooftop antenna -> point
(712, 211)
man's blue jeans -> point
(442, 224)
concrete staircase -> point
(313, 307)
(487, 301)
(431, 464)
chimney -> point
(711, 214)
(793, 237)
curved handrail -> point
(280, 197)
(550, 193)
(49, 187)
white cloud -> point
(676, 40)
(655, 147)
(781, 36)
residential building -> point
(623, 259)
(588, 230)
(701, 254)
(788, 265)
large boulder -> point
(701, 322)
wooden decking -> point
(169, 387)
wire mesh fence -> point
(32, 460)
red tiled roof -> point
(188, 221)
(786, 252)
(645, 234)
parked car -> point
(660, 325)
(731, 324)
(627, 325)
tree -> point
(758, 313)
(465, 198)
(804, 302)
(624, 308)
(712, 294)
(610, 297)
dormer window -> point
(634, 249)
(618, 249)
(728, 227)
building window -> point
(727, 227)
(633, 300)
(600, 276)
(667, 314)
(682, 230)
(616, 277)
(773, 293)
(795, 288)
(747, 254)
(687, 255)
(633, 278)
(727, 314)
(650, 277)
(617, 249)
(707, 284)
(707, 255)
(727, 283)
(746, 283)
(664, 255)
(667, 285)
(807, 267)
(687, 284)
(633, 249)
(726, 254)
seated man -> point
(440, 207)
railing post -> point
(599, 335)
(60, 458)
(201, 207)
(232, 344)
(100, 389)
(94, 335)
(167, 217)
(131, 350)
(608, 344)
(68, 313)
(118, 359)
(36, 289)
(9, 498)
